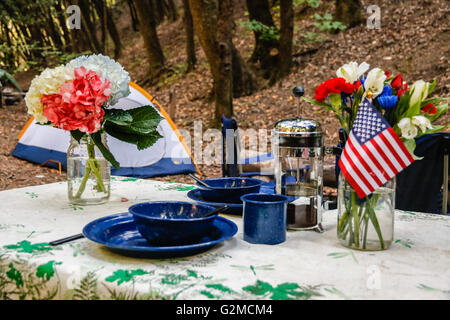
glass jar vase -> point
(88, 172)
(367, 223)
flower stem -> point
(355, 218)
(87, 173)
(92, 165)
(376, 225)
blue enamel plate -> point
(235, 208)
(119, 233)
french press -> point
(299, 152)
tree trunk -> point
(147, 27)
(134, 19)
(348, 12)
(224, 77)
(266, 50)
(286, 38)
(172, 10)
(189, 30)
(205, 17)
(158, 10)
(113, 33)
(243, 82)
(62, 23)
(100, 8)
(88, 26)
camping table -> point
(308, 265)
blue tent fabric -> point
(165, 166)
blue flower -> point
(386, 99)
(387, 102)
(387, 91)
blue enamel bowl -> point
(169, 223)
(229, 189)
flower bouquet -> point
(79, 97)
(365, 220)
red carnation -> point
(387, 74)
(402, 90)
(430, 108)
(397, 82)
(333, 85)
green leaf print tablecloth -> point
(308, 265)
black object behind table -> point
(419, 185)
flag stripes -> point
(373, 153)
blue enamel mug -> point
(264, 218)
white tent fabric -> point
(168, 155)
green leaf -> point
(431, 87)
(15, 275)
(317, 103)
(435, 129)
(433, 101)
(440, 110)
(410, 144)
(4, 74)
(142, 141)
(260, 288)
(118, 116)
(148, 140)
(106, 153)
(46, 270)
(141, 131)
(77, 135)
(122, 275)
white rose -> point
(421, 122)
(409, 130)
(374, 83)
(420, 92)
(351, 71)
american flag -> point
(373, 153)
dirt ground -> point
(413, 40)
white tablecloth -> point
(308, 265)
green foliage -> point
(104, 150)
(137, 126)
(267, 33)
(312, 37)
(311, 3)
(87, 289)
(122, 275)
(20, 280)
(6, 78)
(284, 291)
(326, 23)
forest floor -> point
(413, 40)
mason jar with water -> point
(88, 172)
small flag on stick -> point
(373, 153)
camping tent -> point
(169, 155)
